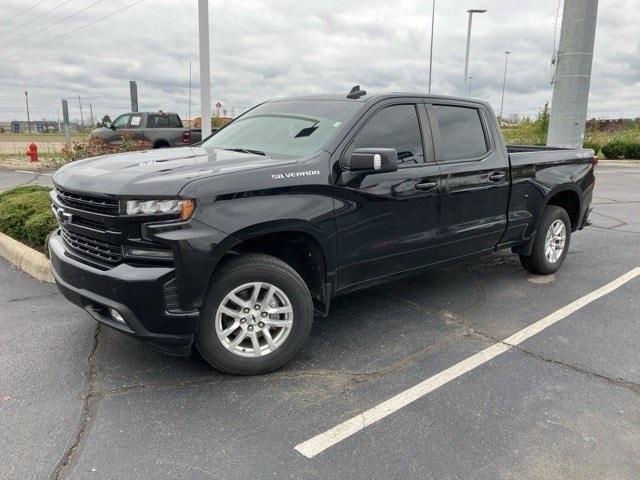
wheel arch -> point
(568, 197)
(160, 143)
(309, 251)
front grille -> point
(90, 203)
(106, 252)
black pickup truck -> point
(233, 246)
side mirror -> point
(371, 160)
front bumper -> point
(136, 292)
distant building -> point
(197, 122)
(37, 126)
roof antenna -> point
(356, 93)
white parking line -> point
(34, 172)
(323, 441)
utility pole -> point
(189, 115)
(205, 67)
(573, 74)
(433, 20)
(26, 98)
(133, 94)
(91, 114)
(81, 116)
(65, 122)
(470, 78)
(466, 57)
(504, 80)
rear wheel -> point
(551, 243)
(256, 316)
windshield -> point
(291, 128)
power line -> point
(21, 12)
(35, 18)
(75, 29)
(52, 24)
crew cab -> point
(234, 246)
(160, 129)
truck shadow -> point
(367, 333)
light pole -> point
(466, 58)
(189, 110)
(26, 98)
(504, 80)
(205, 67)
(470, 78)
(433, 19)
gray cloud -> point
(271, 48)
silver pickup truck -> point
(161, 129)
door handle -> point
(426, 186)
(497, 176)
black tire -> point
(237, 272)
(537, 262)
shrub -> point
(95, 147)
(595, 146)
(633, 150)
(38, 227)
(614, 150)
(25, 214)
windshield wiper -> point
(246, 150)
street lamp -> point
(466, 58)
(504, 80)
(205, 67)
(433, 17)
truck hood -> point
(161, 172)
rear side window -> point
(174, 121)
(158, 121)
(461, 133)
(394, 127)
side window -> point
(135, 121)
(174, 121)
(394, 127)
(461, 132)
(158, 121)
(121, 122)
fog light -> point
(147, 253)
(116, 315)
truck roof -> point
(150, 113)
(374, 97)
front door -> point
(476, 179)
(387, 223)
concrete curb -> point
(619, 163)
(27, 259)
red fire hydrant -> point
(32, 153)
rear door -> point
(161, 132)
(476, 181)
(387, 223)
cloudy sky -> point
(271, 48)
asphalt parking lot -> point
(80, 401)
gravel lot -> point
(82, 402)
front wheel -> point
(256, 316)
(551, 243)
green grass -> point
(25, 214)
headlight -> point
(181, 208)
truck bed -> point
(521, 155)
